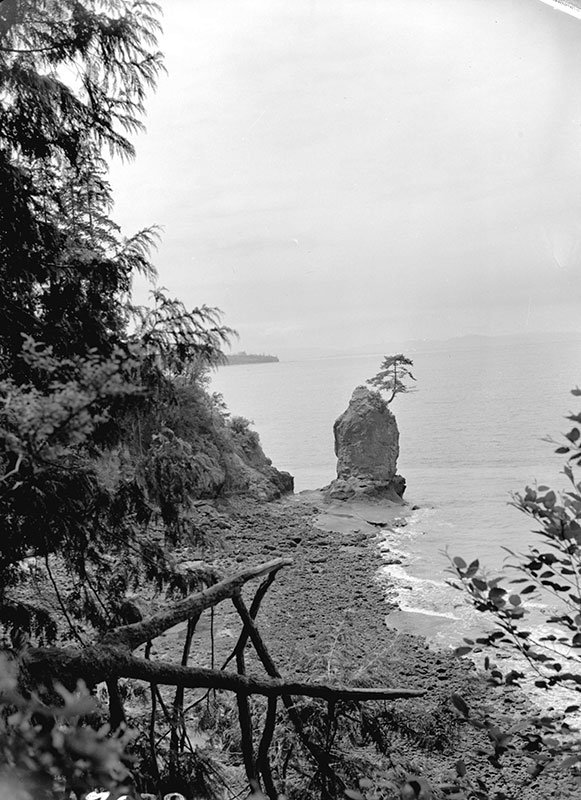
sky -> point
(338, 175)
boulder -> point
(367, 448)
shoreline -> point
(327, 617)
(339, 560)
(386, 519)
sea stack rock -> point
(367, 448)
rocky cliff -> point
(220, 455)
(367, 448)
(249, 470)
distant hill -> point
(249, 358)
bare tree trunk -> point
(176, 741)
(116, 710)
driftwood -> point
(112, 658)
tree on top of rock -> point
(393, 376)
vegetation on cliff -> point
(109, 439)
(110, 444)
(108, 433)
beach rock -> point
(367, 448)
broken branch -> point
(136, 634)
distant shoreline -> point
(250, 358)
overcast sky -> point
(341, 174)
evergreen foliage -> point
(73, 77)
(392, 376)
(83, 523)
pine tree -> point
(73, 79)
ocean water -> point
(471, 434)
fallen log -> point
(101, 663)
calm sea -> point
(471, 434)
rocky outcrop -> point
(366, 438)
(222, 454)
(249, 470)
(367, 449)
(264, 483)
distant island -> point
(249, 358)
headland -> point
(250, 358)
